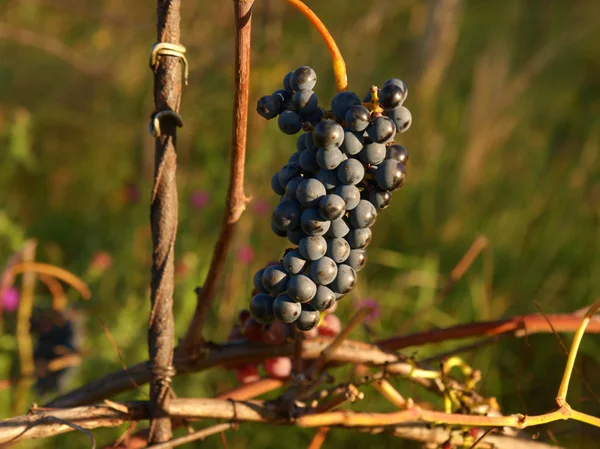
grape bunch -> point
(343, 173)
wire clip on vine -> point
(154, 125)
(168, 49)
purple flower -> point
(199, 199)
(10, 299)
(245, 254)
(261, 207)
(370, 303)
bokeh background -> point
(504, 144)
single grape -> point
(344, 281)
(338, 249)
(278, 232)
(351, 172)
(294, 263)
(305, 101)
(283, 97)
(357, 118)
(392, 96)
(289, 122)
(330, 159)
(332, 207)
(390, 175)
(287, 172)
(275, 279)
(309, 192)
(350, 194)
(276, 185)
(359, 238)
(373, 153)
(353, 143)
(286, 309)
(279, 367)
(312, 247)
(379, 198)
(301, 288)
(257, 281)
(292, 186)
(331, 326)
(328, 178)
(247, 373)
(363, 215)
(328, 135)
(309, 143)
(382, 130)
(303, 78)
(308, 319)
(314, 117)
(357, 259)
(287, 82)
(295, 236)
(401, 117)
(294, 158)
(286, 215)
(323, 271)
(308, 161)
(312, 223)
(338, 228)
(342, 102)
(398, 153)
(261, 308)
(301, 142)
(268, 107)
(323, 300)
(400, 84)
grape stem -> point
(339, 66)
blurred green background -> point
(504, 143)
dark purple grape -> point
(357, 259)
(332, 207)
(329, 178)
(323, 271)
(286, 215)
(398, 153)
(283, 97)
(303, 78)
(363, 215)
(276, 185)
(338, 249)
(308, 319)
(400, 84)
(261, 308)
(292, 186)
(391, 96)
(268, 107)
(382, 130)
(294, 159)
(286, 309)
(289, 122)
(379, 198)
(278, 232)
(294, 263)
(305, 102)
(344, 281)
(301, 141)
(301, 288)
(287, 172)
(357, 118)
(338, 228)
(287, 82)
(257, 281)
(359, 238)
(308, 161)
(324, 299)
(328, 135)
(330, 159)
(312, 223)
(351, 172)
(309, 192)
(390, 175)
(275, 279)
(401, 117)
(312, 247)
(295, 236)
(314, 117)
(353, 143)
(350, 194)
(373, 153)
(343, 101)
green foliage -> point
(505, 143)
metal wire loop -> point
(168, 49)
(154, 125)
